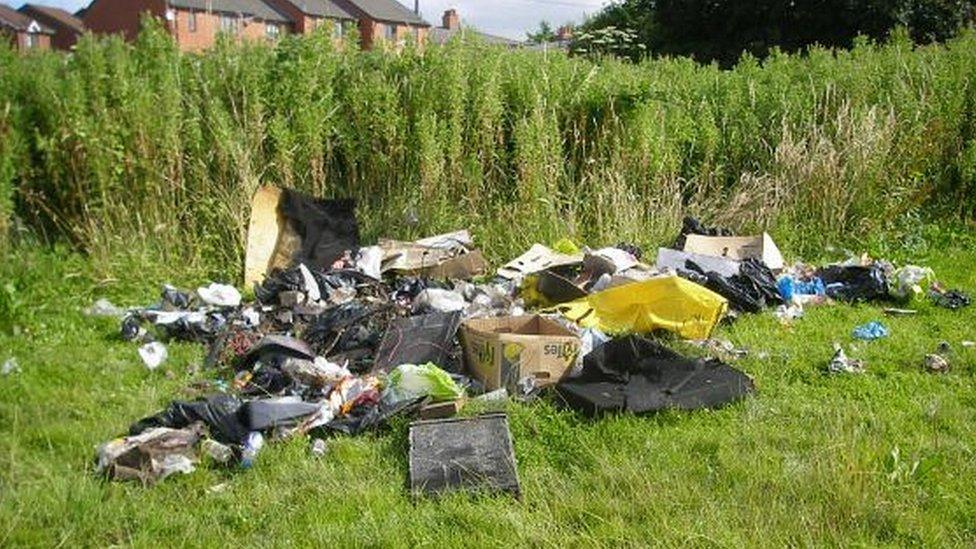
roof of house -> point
(441, 35)
(388, 10)
(322, 8)
(55, 16)
(17, 21)
(253, 8)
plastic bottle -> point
(252, 446)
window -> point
(272, 31)
(336, 29)
(228, 24)
(390, 32)
(191, 21)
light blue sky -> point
(510, 18)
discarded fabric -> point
(870, 331)
(638, 375)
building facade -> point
(67, 28)
(23, 32)
(195, 24)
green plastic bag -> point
(410, 381)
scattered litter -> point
(220, 453)
(462, 454)
(219, 295)
(342, 338)
(738, 248)
(891, 311)
(538, 258)
(410, 381)
(722, 348)
(840, 363)
(151, 456)
(788, 313)
(319, 447)
(437, 299)
(855, 282)
(670, 303)
(218, 488)
(908, 281)
(793, 289)
(638, 375)
(968, 343)
(870, 331)
(104, 307)
(936, 363)
(252, 446)
(153, 354)
(949, 299)
(10, 366)
(502, 351)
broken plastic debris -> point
(153, 354)
(318, 447)
(219, 295)
(253, 445)
(104, 307)
(437, 299)
(936, 363)
(840, 363)
(312, 291)
(221, 453)
(10, 366)
(369, 261)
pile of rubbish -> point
(340, 337)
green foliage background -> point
(120, 148)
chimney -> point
(416, 6)
(451, 21)
(564, 33)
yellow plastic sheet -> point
(670, 303)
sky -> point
(509, 18)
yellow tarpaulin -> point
(669, 303)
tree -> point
(542, 35)
(722, 30)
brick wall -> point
(121, 16)
(19, 40)
(373, 32)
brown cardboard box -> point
(501, 351)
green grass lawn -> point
(883, 458)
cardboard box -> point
(501, 351)
(738, 248)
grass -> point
(883, 458)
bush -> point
(138, 146)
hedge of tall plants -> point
(138, 146)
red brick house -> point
(67, 28)
(22, 31)
(385, 21)
(193, 23)
(307, 15)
